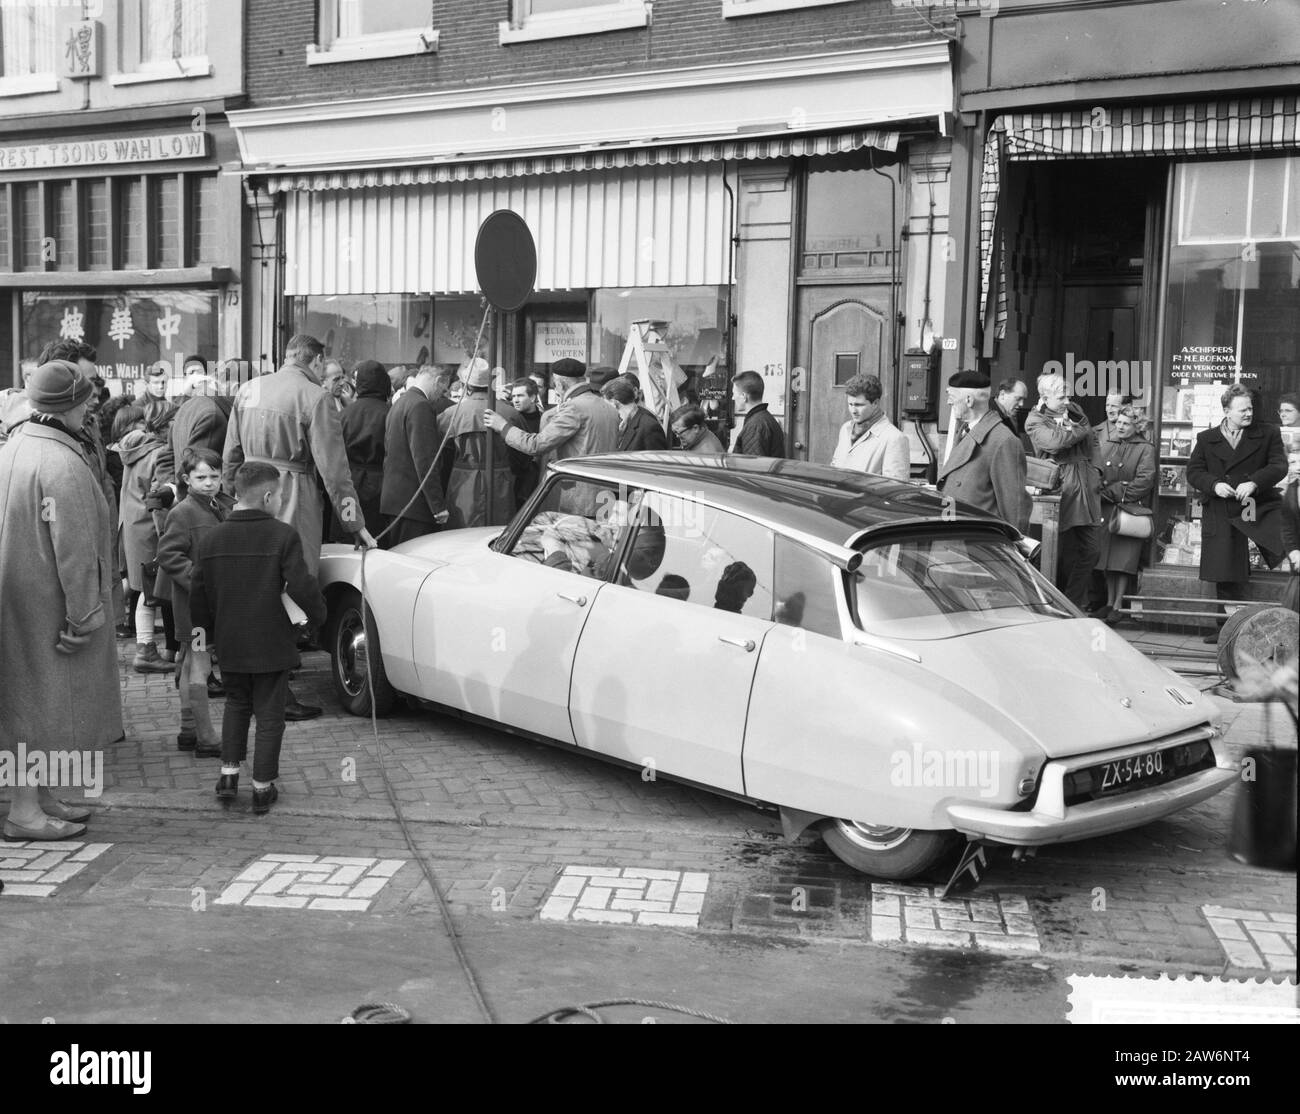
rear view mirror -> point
(1028, 547)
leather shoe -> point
(51, 830)
(263, 799)
(186, 740)
(63, 810)
(207, 750)
(228, 787)
(295, 711)
(215, 688)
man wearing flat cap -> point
(58, 650)
(986, 467)
(582, 425)
(481, 490)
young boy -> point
(203, 509)
(240, 571)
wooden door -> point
(1103, 323)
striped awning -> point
(1178, 130)
(622, 158)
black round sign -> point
(505, 260)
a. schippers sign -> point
(104, 152)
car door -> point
(666, 661)
(496, 634)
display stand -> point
(656, 369)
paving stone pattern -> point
(1254, 939)
(39, 869)
(340, 884)
(917, 915)
(627, 895)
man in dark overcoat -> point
(987, 465)
(1235, 466)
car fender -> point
(874, 737)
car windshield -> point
(941, 585)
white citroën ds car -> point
(843, 647)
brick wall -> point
(684, 32)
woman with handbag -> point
(1129, 470)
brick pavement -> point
(501, 820)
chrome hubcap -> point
(872, 837)
(350, 654)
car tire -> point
(350, 647)
(884, 852)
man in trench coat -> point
(58, 650)
(1235, 466)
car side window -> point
(690, 552)
(806, 587)
(578, 526)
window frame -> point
(614, 15)
(331, 48)
(136, 71)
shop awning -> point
(769, 147)
(637, 226)
(1181, 130)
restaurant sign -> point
(105, 152)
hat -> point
(478, 376)
(57, 387)
(599, 376)
(570, 369)
(970, 380)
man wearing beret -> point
(986, 468)
(58, 650)
(582, 425)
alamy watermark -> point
(1089, 379)
(53, 769)
(945, 768)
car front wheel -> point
(886, 852)
(353, 644)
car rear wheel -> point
(886, 852)
(353, 644)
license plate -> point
(1141, 767)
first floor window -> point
(172, 29)
(28, 38)
(357, 18)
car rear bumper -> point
(1052, 821)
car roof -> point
(833, 505)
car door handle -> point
(746, 644)
(581, 601)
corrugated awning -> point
(623, 158)
(1179, 130)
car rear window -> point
(940, 585)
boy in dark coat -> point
(242, 568)
(203, 509)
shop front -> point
(1148, 251)
(130, 242)
(686, 211)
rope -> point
(564, 1015)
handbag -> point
(1042, 473)
(1132, 522)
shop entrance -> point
(843, 332)
(1101, 330)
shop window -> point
(27, 225)
(354, 30)
(94, 194)
(131, 224)
(692, 321)
(551, 19)
(63, 201)
(130, 329)
(848, 216)
(204, 223)
(1232, 316)
(28, 48)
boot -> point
(148, 660)
(187, 738)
